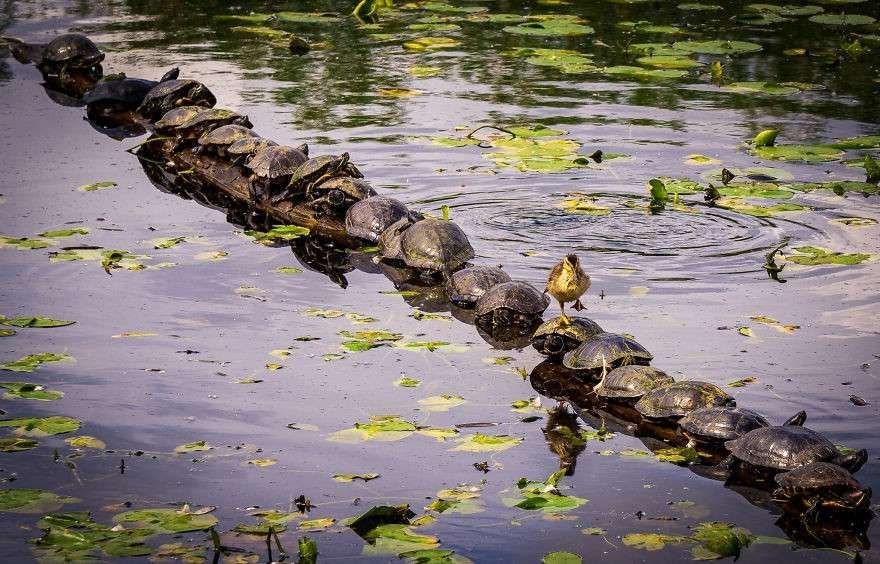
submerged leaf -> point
(197, 446)
(487, 443)
(651, 541)
(26, 500)
(441, 403)
(86, 441)
(16, 444)
(167, 520)
(813, 256)
(94, 186)
(26, 390)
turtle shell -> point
(207, 119)
(632, 382)
(353, 188)
(782, 448)
(226, 135)
(435, 244)
(560, 335)
(368, 218)
(126, 92)
(721, 423)
(249, 145)
(73, 49)
(519, 297)
(173, 93)
(175, 118)
(680, 398)
(466, 286)
(276, 161)
(607, 350)
(390, 240)
(817, 475)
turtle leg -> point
(578, 306)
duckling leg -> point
(578, 306)
(562, 310)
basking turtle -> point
(788, 447)
(563, 334)
(713, 425)
(272, 167)
(607, 351)
(510, 303)
(368, 218)
(820, 485)
(436, 245)
(466, 286)
(205, 120)
(173, 94)
(391, 238)
(122, 95)
(175, 118)
(680, 398)
(315, 171)
(336, 195)
(217, 141)
(626, 384)
(242, 150)
(68, 52)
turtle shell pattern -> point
(782, 448)
(520, 297)
(466, 286)
(632, 381)
(573, 332)
(276, 161)
(368, 218)
(606, 349)
(435, 244)
(226, 135)
(721, 423)
(680, 398)
(817, 475)
(73, 49)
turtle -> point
(175, 118)
(243, 149)
(391, 238)
(23, 52)
(510, 304)
(203, 121)
(217, 141)
(606, 351)
(714, 425)
(68, 52)
(821, 485)
(272, 167)
(561, 334)
(436, 245)
(336, 195)
(627, 384)
(466, 286)
(788, 447)
(122, 94)
(677, 399)
(173, 94)
(315, 171)
(368, 218)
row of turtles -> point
(808, 469)
(806, 466)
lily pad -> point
(441, 403)
(699, 7)
(677, 455)
(7, 332)
(26, 500)
(278, 233)
(804, 153)
(668, 62)
(366, 477)
(167, 520)
(196, 446)
(550, 27)
(407, 382)
(421, 71)
(308, 17)
(95, 186)
(16, 444)
(720, 540)
(652, 541)
(839, 187)
(431, 44)
(718, 47)
(42, 426)
(678, 186)
(641, 72)
(26, 390)
(842, 19)
(24, 243)
(61, 233)
(862, 142)
(34, 322)
(584, 205)
(767, 190)
(855, 221)
(86, 441)
(76, 537)
(560, 557)
(543, 496)
(761, 87)
(487, 443)
(786, 10)
(379, 428)
(815, 256)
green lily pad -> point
(855, 221)
(486, 443)
(815, 256)
(317, 524)
(543, 496)
(431, 44)
(699, 7)
(252, 17)
(651, 541)
(16, 444)
(422, 71)
(420, 315)
(720, 540)
(679, 186)
(550, 27)
(26, 390)
(26, 500)
(435, 27)
(95, 186)
(718, 47)
(842, 19)
(657, 50)
(560, 557)
(677, 455)
(7, 332)
(786, 10)
(61, 233)
(450, 9)
(86, 441)
(668, 62)
(167, 243)
(584, 205)
(41, 427)
(379, 428)
(839, 187)
(441, 403)
(756, 190)
(595, 531)
(762, 88)
(76, 537)
(278, 233)
(740, 206)
(196, 446)
(308, 17)
(641, 72)
(288, 270)
(407, 382)
(34, 322)
(563, 60)
(803, 153)
(862, 142)
(166, 520)
(24, 243)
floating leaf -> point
(26, 390)
(16, 444)
(720, 540)
(399, 92)
(420, 71)
(352, 477)
(407, 382)
(717, 47)
(855, 221)
(24, 243)
(420, 315)
(640, 72)
(668, 62)
(34, 322)
(31, 362)
(449, 8)
(487, 443)
(7, 332)
(813, 256)
(26, 500)
(584, 205)
(166, 520)
(431, 43)
(262, 462)
(94, 186)
(196, 446)
(742, 382)
(379, 428)
(41, 427)
(677, 455)
(803, 153)
(839, 187)
(550, 27)
(431, 346)
(862, 142)
(441, 403)
(651, 541)
(317, 524)
(212, 256)
(755, 190)
(842, 19)
(440, 434)
(597, 531)
(85, 441)
(308, 17)
(325, 313)
(745, 332)
(699, 7)
(766, 138)
(739, 206)
(278, 233)
(61, 233)
(167, 243)
(544, 496)
(560, 557)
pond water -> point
(207, 343)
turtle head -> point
(336, 198)
(243, 121)
(304, 148)
(849, 500)
(554, 344)
(797, 420)
(854, 460)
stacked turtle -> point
(809, 471)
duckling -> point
(567, 283)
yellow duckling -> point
(567, 283)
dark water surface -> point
(681, 283)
